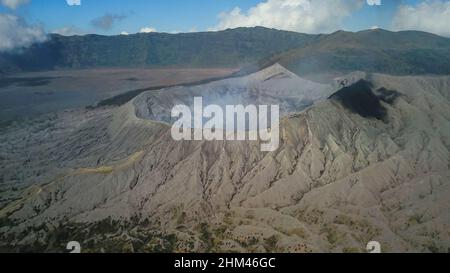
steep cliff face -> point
(339, 179)
(377, 51)
(228, 48)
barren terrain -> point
(29, 94)
(345, 173)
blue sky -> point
(164, 15)
(194, 15)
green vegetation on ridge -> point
(406, 52)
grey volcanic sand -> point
(339, 179)
(29, 94)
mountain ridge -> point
(204, 49)
(380, 51)
(373, 51)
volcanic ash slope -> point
(344, 174)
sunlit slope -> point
(338, 180)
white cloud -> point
(13, 4)
(147, 30)
(374, 2)
(73, 2)
(15, 33)
(310, 16)
(107, 21)
(431, 16)
(191, 30)
(124, 33)
(68, 31)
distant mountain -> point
(237, 47)
(406, 52)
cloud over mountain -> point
(69, 31)
(431, 16)
(16, 33)
(295, 15)
(107, 21)
(147, 30)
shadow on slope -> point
(360, 98)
